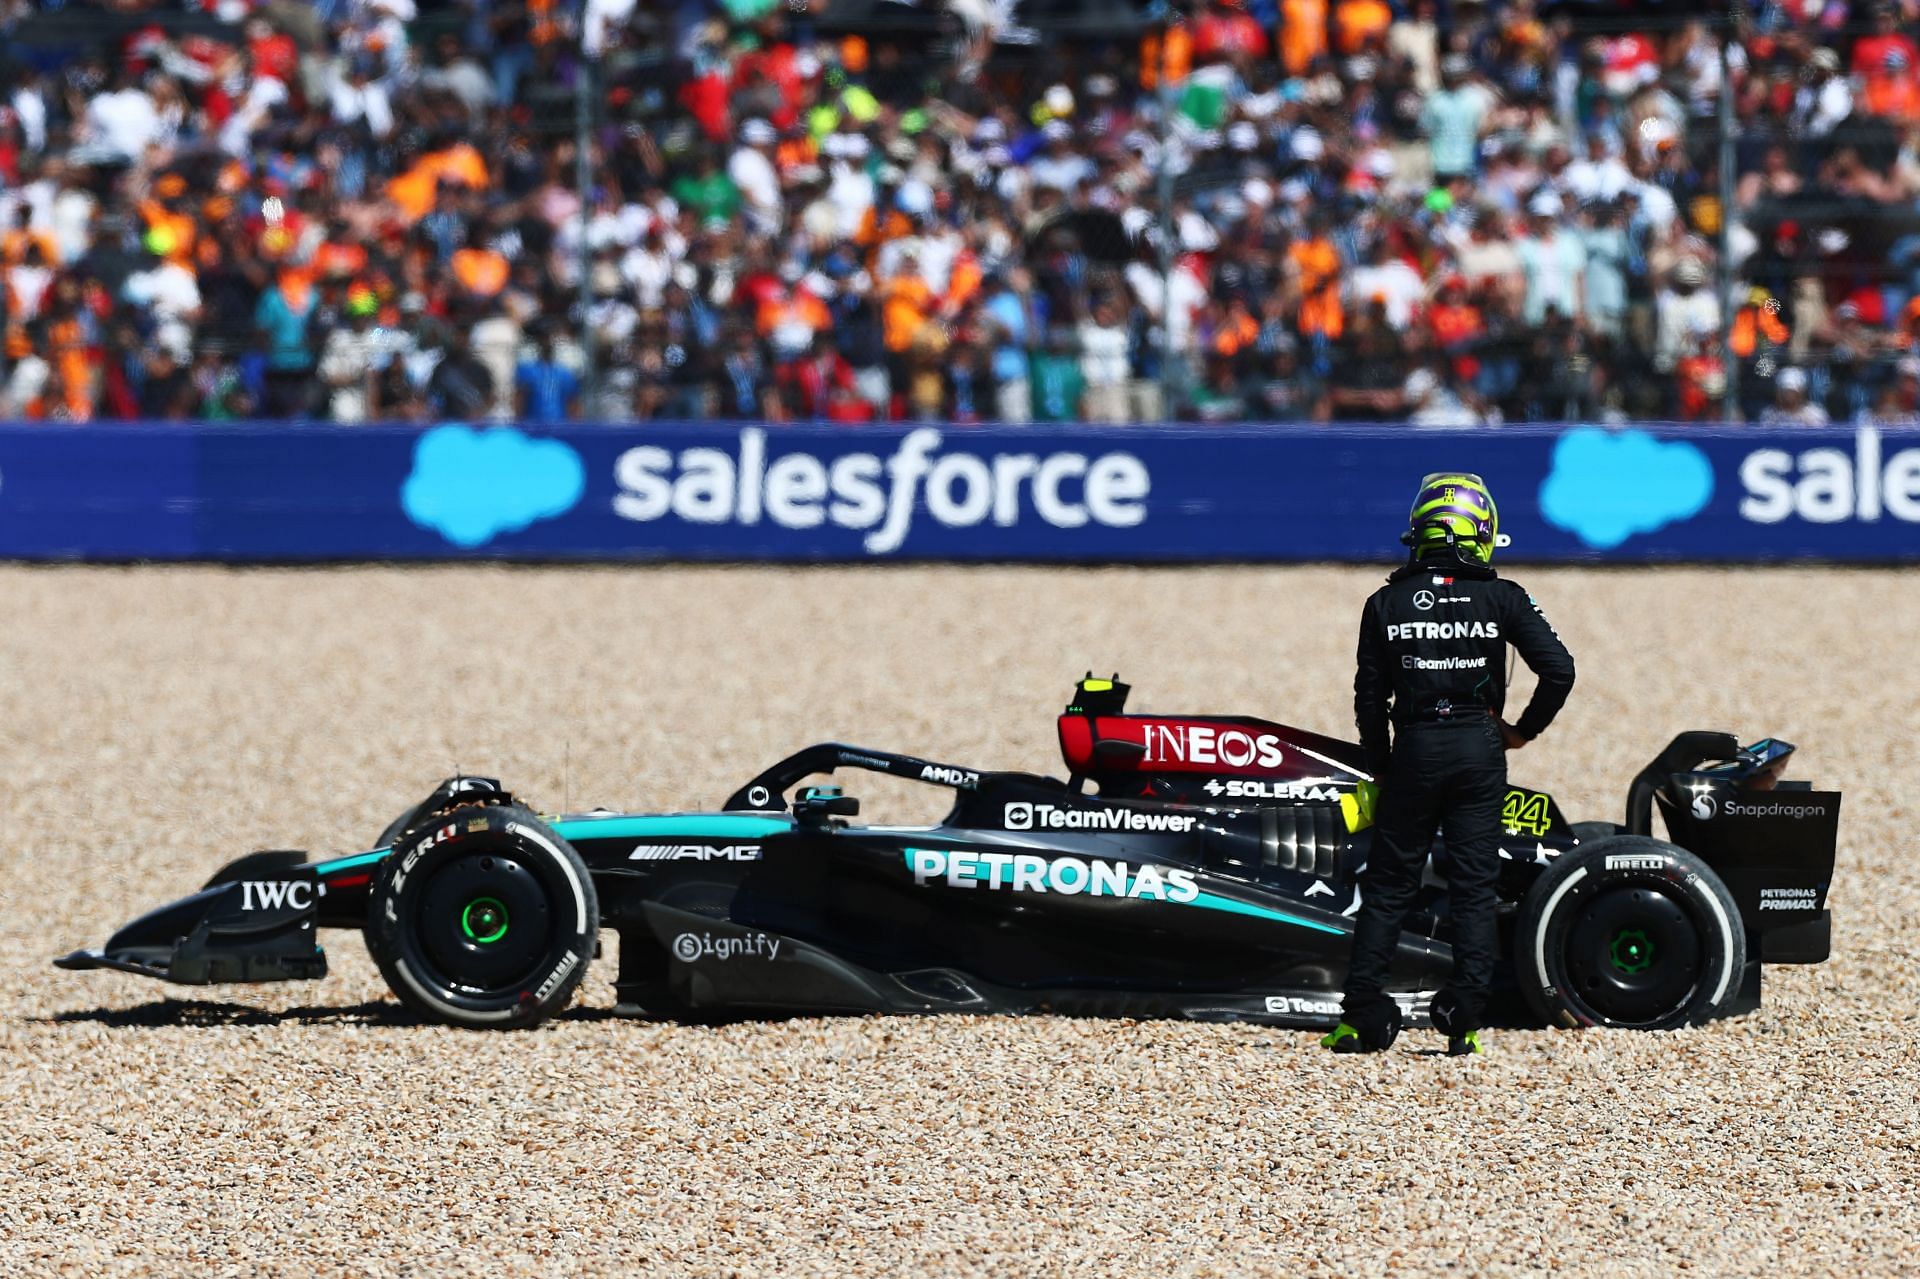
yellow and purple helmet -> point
(1454, 510)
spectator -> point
(1452, 118)
(548, 391)
(1057, 379)
(1553, 263)
(1791, 407)
(1824, 98)
(1687, 312)
(461, 385)
(783, 225)
(1104, 364)
(347, 362)
(1391, 281)
(1012, 319)
(286, 307)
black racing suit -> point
(1432, 662)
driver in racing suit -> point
(1432, 659)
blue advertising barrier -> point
(267, 492)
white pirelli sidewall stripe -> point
(453, 1010)
(1726, 940)
(1540, 937)
(566, 865)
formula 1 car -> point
(1189, 866)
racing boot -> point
(1344, 1039)
(1370, 1029)
(1451, 1019)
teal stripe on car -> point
(680, 826)
(1232, 907)
(339, 864)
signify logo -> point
(1830, 486)
(865, 491)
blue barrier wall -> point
(725, 491)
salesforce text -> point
(866, 491)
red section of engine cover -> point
(1213, 746)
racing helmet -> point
(1454, 512)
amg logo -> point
(276, 894)
(1201, 744)
(1025, 816)
(695, 853)
(1639, 862)
(940, 773)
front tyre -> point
(1629, 931)
(484, 918)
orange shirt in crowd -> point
(544, 22)
(481, 272)
(905, 301)
(1698, 377)
(72, 367)
(1237, 330)
(1358, 22)
(337, 257)
(798, 306)
(178, 231)
(1750, 323)
(1319, 265)
(1177, 52)
(1454, 322)
(413, 191)
(1885, 64)
(296, 286)
(963, 282)
(876, 228)
(13, 246)
(1303, 33)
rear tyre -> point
(484, 918)
(1629, 931)
(1587, 832)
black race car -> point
(1189, 866)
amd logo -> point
(965, 779)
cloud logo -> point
(471, 486)
(1605, 486)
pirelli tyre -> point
(1629, 931)
(485, 918)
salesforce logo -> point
(1830, 486)
(879, 495)
(1606, 486)
(470, 485)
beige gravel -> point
(154, 722)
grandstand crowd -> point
(1446, 213)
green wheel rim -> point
(484, 920)
(1631, 951)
